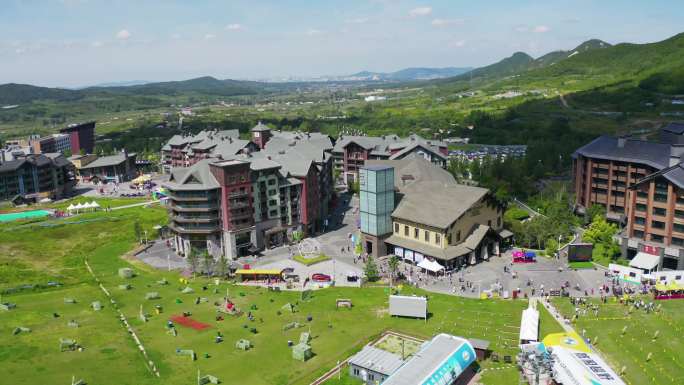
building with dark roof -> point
(35, 177)
(432, 216)
(287, 188)
(81, 137)
(115, 168)
(641, 186)
(351, 152)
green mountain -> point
(13, 93)
(509, 66)
(554, 57)
(204, 85)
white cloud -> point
(123, 35)
(313, 32)
(541, 29)
(96, 44)
(176, 36)
(521, 28)
(235, 27)
(420, 11)
(446, 22)
(209, 36)
(358, 20)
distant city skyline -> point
(72, 43)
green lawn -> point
(57, 253)
(310, 261)
(631, 349)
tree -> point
(593, 211)
(208, 262)
(371, 270)
(193, 259)
(222, 266)
(601, 233)
(393, 264)
(137, 230)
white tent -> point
(71, 207)
(78, 207)
(94, 205)
(574, 367)
(645, 261)
(430, 265)
(529, 325)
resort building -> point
(351, 152)
(81, 137)
(432, 217)
(36, 177)
(641, 186)
(184, 151)
(234, 204)
(111, 168)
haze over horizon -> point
(72, 43)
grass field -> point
(310, 261)
(110, 357)
(631, 349)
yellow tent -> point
(567, 340)
(661, 287)
(141, 179)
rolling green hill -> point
(13, 93)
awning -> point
(475, 238)
(259, 272)
(529, 325)
(645, 261)
(505, 234)
(430, 265)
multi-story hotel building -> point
(641, 186)
(234, 204)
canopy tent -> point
(645, 261)
(94, 205)
(430, 265)
(582, 368)
(672, 286)
(567, 340)
(258, 272)
(529, 325)
(141, 179)
(71, 207)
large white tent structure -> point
(572, 367)
(529, 326)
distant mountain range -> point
(520, 62)
(654, 66)
(407, 74)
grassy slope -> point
(630, 350)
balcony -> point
(194, 229)
(238, 204)
(194, 219)
(194, 208)
(237, 194)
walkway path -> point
(557, 316)
(137, 204)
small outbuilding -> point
(408, 306)
(373, 365)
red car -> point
(318, 277)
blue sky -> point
(84, 42)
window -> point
(406, 229)
(458, 236)
(396, 228)
(416, 232)
(437, 239)
(271, 182)
(618, 193)
(658, 224)
(638, 234)
(640, 207)
(679, 214)
(498, 222)
(640, 221)
(659, 211)
(273, 213)
(656, 238)
(272, 192)
(427, 236)
(678, 227)
(642, 194)
(677, 241)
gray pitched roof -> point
(437, 204)
(412, 170)
(229, 148)
(177, 140)
(196, 177)
(675, 128)
(109, 160)
(656, 155)
(377, 360)
(416, 146)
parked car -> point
(319, 277)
